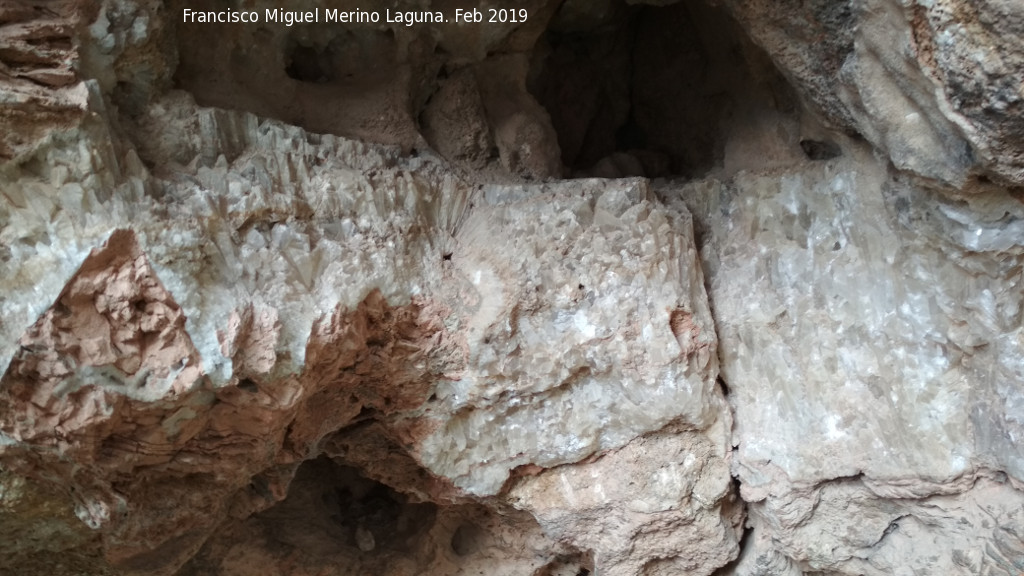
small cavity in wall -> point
(651, 91)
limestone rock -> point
(312, 299)
(659, 505)
(933, 84)
(868, 330)
(544, 382)
(455, 121)
(41, 95)
(236, 313)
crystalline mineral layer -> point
(231, 345)
(533, 324)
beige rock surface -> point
(236, 318)
(313, 300)
(659, 505)
(869, 337)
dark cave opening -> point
(307, 64)
(332, 507)
(336, 516)
(649, 90)
(316, 55)
(607, 89)
(598, 89)
(577, 564)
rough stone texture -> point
(273, 292)
(883, 323)
(539, 272)
(659, 505)
(380, 82)
(298, 300)
(41, 92)
(455, 121)
(853, 526)
(935, 85)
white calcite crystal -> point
(869, 329)
(266, 288)
(586, 325)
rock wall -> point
(624, 289)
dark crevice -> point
(744, 544)
(307, 64)
(650, 91)
(820, 150)
(724, 386)
(248, 385)
(579, 564)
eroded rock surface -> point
(237, 318)
(312, 299)
(882, 324)
(934, 85)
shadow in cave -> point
(331, 507)
(647, 90)
(614, 89)
(335, 520)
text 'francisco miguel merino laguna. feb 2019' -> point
(333, 16)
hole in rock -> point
(334, 519)
(648, 90)
(819, 150)
(331, 507)
(625, 89)
(326, 78)
(568, 565)
(307, 64)
(467, 539)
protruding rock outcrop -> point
(313, 298)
